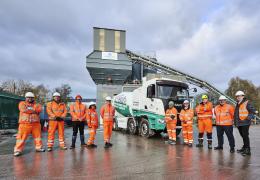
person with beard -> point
(186, 117)
(29, 123)
(244, 113)
(57, 112)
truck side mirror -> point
(151, 91)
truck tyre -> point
(144, 128)
(131, 126)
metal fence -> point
(9, 110)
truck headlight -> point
(162, 121)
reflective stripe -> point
(19, 140)
(37, 139)
(243, 112)
(190, 132)
(202, 116)
(224, 122)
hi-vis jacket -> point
(78, 111)
(92, 118)
(169, 113)
(204, 111)
(107, 113)
(56, 110)
(29, 112)
(224, 115)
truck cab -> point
(147, 105)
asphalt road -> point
(132, 157)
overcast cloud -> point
(47, 41)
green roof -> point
(4, 94)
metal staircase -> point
(152, 63)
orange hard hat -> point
(78, 96)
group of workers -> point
(225, 114)
(29, 122)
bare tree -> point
(65, 91)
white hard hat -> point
(29, 94)
(186, 101)
(171, 103)
(222, 97)
(56, 94)
(91, 104)
(240, 93)
(108, 98)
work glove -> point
(172, 116)
(30, 108)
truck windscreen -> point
(172, 92)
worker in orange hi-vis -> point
(171, 121)
(92, 120)
(186, 117)
(29, 123)
(204, 113)
(224, 113)
(57, 112)
(107, 113)
(78, 112)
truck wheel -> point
(144, 128)
(131, 126)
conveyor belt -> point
(166, 69)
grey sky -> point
(47, 41)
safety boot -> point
(82, 140)
(40, 150)
(246, 152)
(232, 150)
(209, 144)
(49, 149)
(190, 144)
(200, 144)
(63, 148)
(110, 144)
(241, 150)
(17, 153)
(92, 146)
(169, 141)
(73, 142)
(218, 148)
(173, 142)
(106, 145)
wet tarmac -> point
(132, 157)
